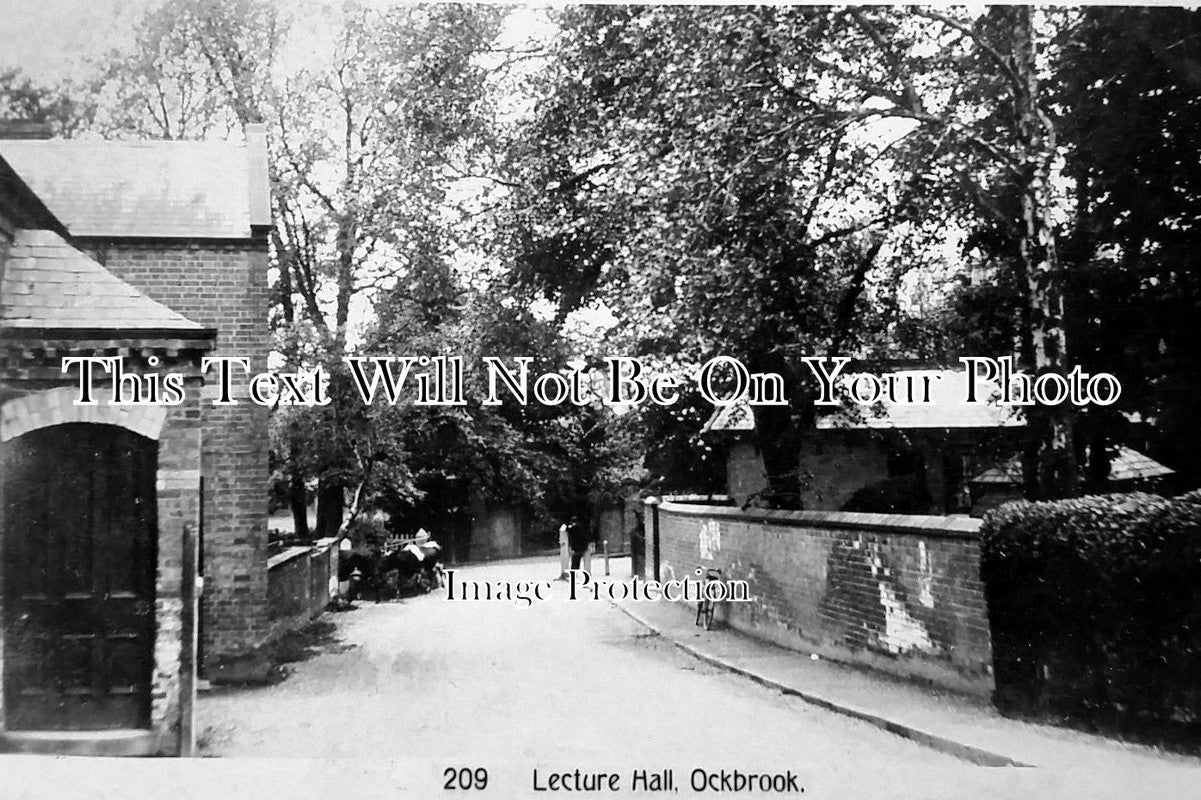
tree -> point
(725, 181)
(989, 105)
(58, 106)
(362, 154)
(196, 68)
(1130, 105)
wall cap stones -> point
(284, 556)
(959, 527)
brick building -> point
(942, 443)
(157, 252)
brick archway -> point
(57, 406)
(176, 435)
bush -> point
(1193, 497)
(1095, 606)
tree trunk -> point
(778, 437)
(1056, 457)
(779, 446)
(298, 500)
(330, 502)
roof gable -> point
(1125, 464)
(20, 207)
(945, 410)
(146, 189)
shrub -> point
(1193, 497)
(1095, 606)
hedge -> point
(1095, 606)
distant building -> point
(941, 444)
(1129, 470)
(963, 454)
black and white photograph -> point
(405, 399)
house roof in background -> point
(945, 410)
(48, 284)
(147, 189)
(1126, 464)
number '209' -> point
(465, 778)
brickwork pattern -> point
(177, 491)
(744, 471)
(831, 466)
(901, 594)
(300, 584)
(222, 287)
(57, 407)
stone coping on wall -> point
(958, 527)
(697, 499)
(285, 556)
(288, 553)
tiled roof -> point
(48, 284)
(1124, 465)
(945, 410)
(20, 206)
(142, 189)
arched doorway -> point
(79, 522)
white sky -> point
(52, 39)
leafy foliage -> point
(1131, 101)
(762, 182)
(1093, 606)
(63, 107)
(720, 178)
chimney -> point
(259, 178)
(25, 129)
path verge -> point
(964, 727)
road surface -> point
(576, 683)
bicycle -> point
(705, 606)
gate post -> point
(564, 554)
(653, 504)
(188, 634)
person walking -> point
(579, 538)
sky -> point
(49, 39)
(53, 39)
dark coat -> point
(578, 537)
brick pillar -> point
(222, 286)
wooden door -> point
(79, 535)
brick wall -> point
(301, 581)
(177, 494)
(897, 593)
(832, 466)
(223, 286)
(744, 471)
(835, 464)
